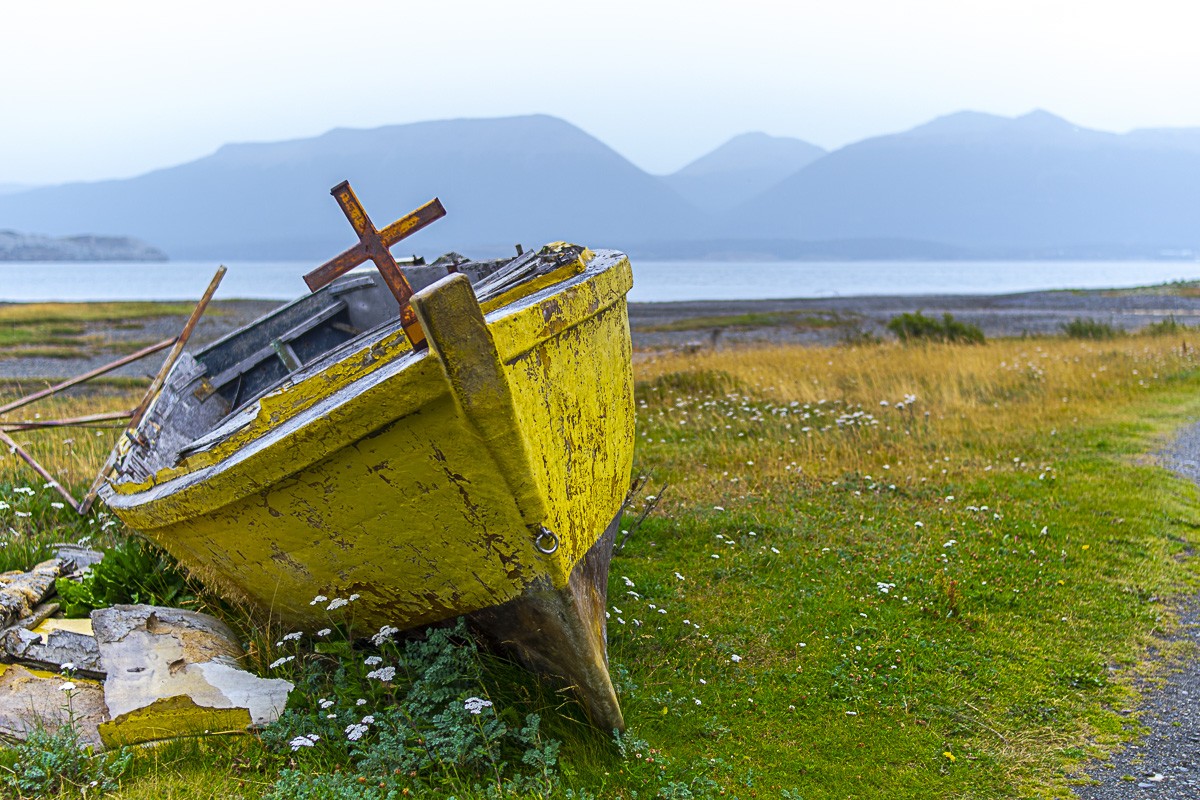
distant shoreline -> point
(697, 325)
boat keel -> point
(563, 632)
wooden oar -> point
(155, 387)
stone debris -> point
(32, 699)
(77, 558)
(53, 643)
(172, 672)
(22, 592)
(166, 673)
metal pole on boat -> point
(155, 386)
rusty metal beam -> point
(87, 376)
(374, 245)
(400, 229)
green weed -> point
(1088, 328)
(57, 764)
(917, 327)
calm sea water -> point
(654, 281)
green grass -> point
(999, 493)
(1088, 328)
(794, 319)
(72, 313)
(60, 330)
(917, 327)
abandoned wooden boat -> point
(316, 452)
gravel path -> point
(1165, 765)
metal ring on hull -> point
(545, 534)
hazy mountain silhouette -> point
(740, 169)
(519, 179)
(964, 185)
(1035, 184)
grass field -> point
(879, 571)
(62, 330)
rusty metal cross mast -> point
(373, 245)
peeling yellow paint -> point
(81, 626)
(171, 718)
(411, 480)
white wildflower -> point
(735, 658)
(325, 703)
(307, 740)
(354, 597)
(337, 603)
(475, 705)
(371, 661)
(324, 632)
(318, 599)
(355, 731)
(628, 582)
(383, 673)
(360, 702)
(279, 662)
(292, 637)
(67, 686)
(385, 635)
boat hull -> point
(477, 474)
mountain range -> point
(967, 185)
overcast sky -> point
(92, 90)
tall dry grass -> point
(822, 412)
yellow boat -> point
(316, 452)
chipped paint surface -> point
(172, 718)
(411, 480)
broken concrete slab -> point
(54, 643)
(34, 699)
(21, 592)
(152, 655)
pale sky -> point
(92, 90)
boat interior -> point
(214, 392)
